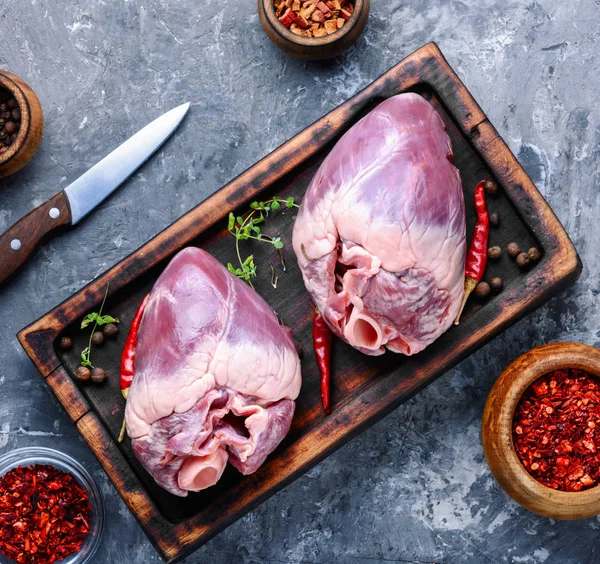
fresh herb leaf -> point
(106, 319)
(85, 358)
(88, 319)
(95, 317)
(290, 202)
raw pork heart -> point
(380, 235)
(216, 377)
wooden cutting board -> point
(364, 388)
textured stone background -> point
(415, 487)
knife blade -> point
(78, 199)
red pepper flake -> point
(554, 430)
(51, 519)
(313, 18)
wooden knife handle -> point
(17, 244)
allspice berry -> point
(66, 344)
(97, 338)
(490, 187)
(534, 254)
(483, 290)
(494, 219)
(11, 127)
(496, 284)
(494, 252)
(98, 375)
(84, 374)
(110, 331)
(523, 260)
(513, 250)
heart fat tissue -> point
(216, 377)
(380, 235)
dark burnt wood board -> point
(364, 388)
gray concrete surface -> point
(415, 487)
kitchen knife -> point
(79, 198)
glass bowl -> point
(40, 455)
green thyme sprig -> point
(97, 319)
(247, 226)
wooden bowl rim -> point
(7, 82)
(517, 378)
(279, 28)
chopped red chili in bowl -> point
(556, 430)
(313, 18)
(50, 508)
(44, 514)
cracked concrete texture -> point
(415, 487)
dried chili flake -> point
(554, 430)
(44, 514)
(313, 18)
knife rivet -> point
(15, 244)
(54, 213)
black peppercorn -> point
(534, 254)
(110, 331)
(16, 114)
(513, 250)
(523, 260)
(494, 252)
(490, 187)
(97, 338)
(98, 375)
(84, 374)
(496, 284)
(482, 290)
(66, 344)
(494, 219)
(12, 103)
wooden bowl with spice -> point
(541, 430)
(313, 29)
(21, 123)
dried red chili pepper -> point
(44, 514)
(322, 344)
(128, 357)
(555, 430)
(477, 254)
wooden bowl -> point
(497, 431)
(313, 48)
(32, 125)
